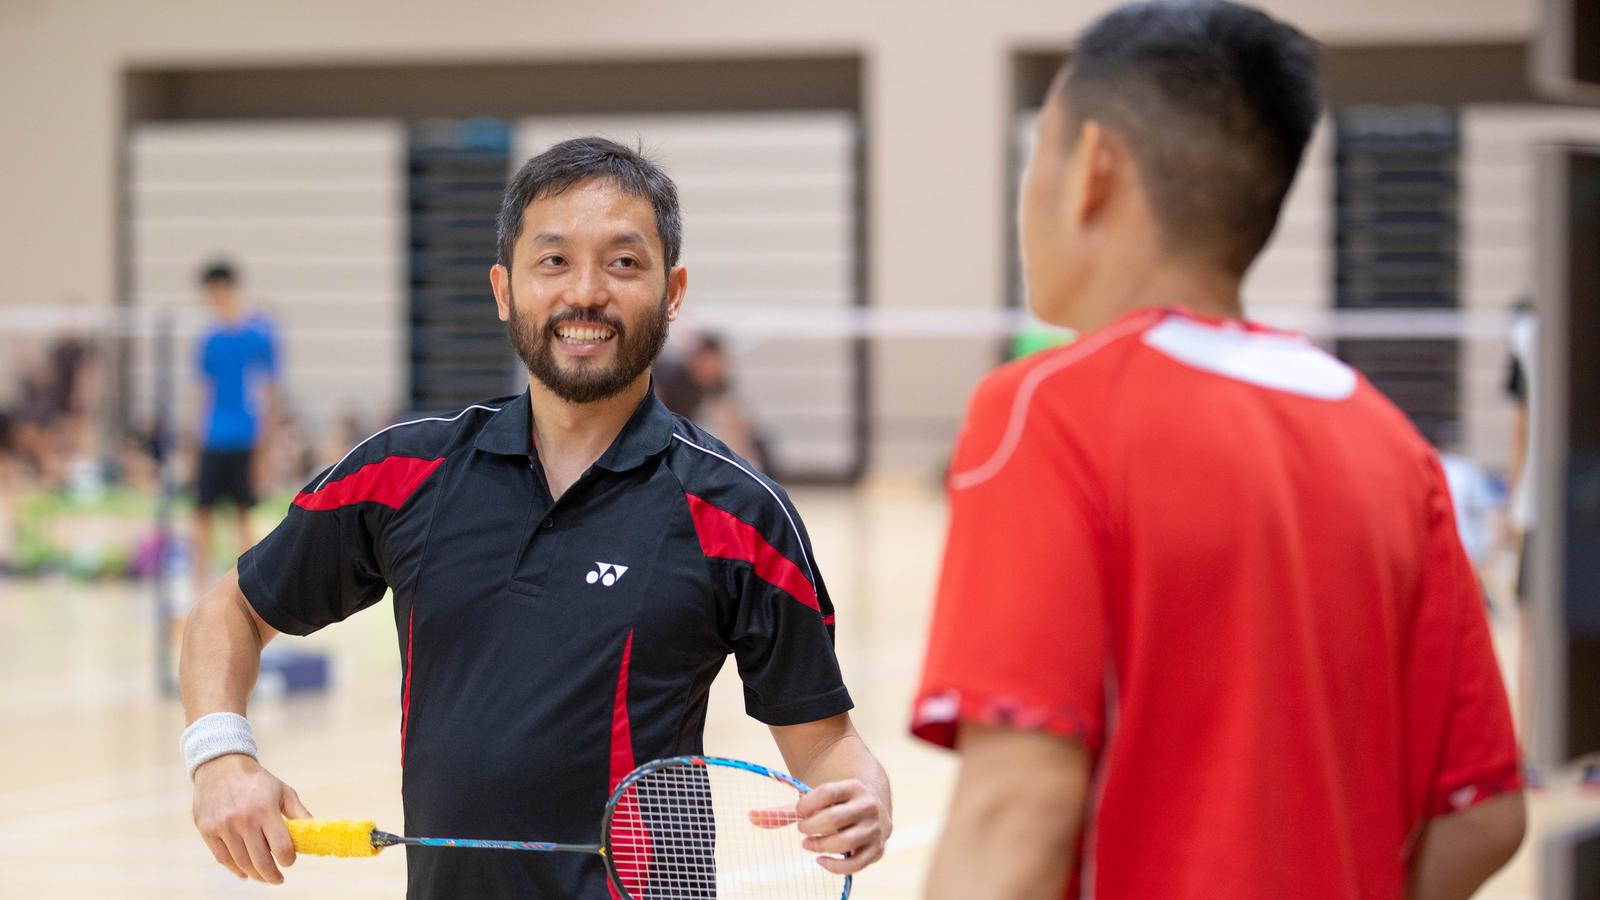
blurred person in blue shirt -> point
(237, 364)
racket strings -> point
(684, 832)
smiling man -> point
(570, 568)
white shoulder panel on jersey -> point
(1280, 362)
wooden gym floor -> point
(94, 801)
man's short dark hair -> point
(573, 162)
(1216, 101)
(218, 271)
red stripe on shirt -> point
(390, 482)
(621, 735)
(725, 536)
(630, 839)
(405, 693)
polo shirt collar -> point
(647, 433)
(509, 432)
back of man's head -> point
(1216, 102)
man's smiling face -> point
(588, 304)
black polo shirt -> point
(549, 647)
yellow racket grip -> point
(332, 837)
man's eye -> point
(553, 260)
(627, 262)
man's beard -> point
(586, 380)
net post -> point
(162, 445)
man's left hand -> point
(846, 820)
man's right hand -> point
(239, 808)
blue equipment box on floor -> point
(293, 672)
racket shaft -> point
(384, 839)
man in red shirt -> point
(1204, 629)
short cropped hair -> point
(218, 271)
(573, 162)
(1216, 101)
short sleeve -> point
(320, 565)
(1475, 756)
(774, 612)
(1018, 635)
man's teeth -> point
(583, 335)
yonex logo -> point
(606, 573)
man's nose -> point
(589, 290)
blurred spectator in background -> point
(31, 425)
(699, 387)
(238, 368)
(336, 440)
(136, 467)
(1520, 373)
(286, 462)
(1478, 501)
(9, 488)
(1522, 387)
(74, 372)
(50, 426)
(74, 380)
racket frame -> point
(645, 770)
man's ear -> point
(1091, 176)
(500, 281)
(677, 287)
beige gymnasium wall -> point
(936, 105)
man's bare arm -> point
(1457, 853)
(1014, 819)
(238, 805)
(222, 641)
(849, 809)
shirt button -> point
(548, 523)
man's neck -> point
(570, 437)
(1201, 290)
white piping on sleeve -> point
(1030, 383)
(803, 555)
(369, 437)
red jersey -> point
(1223, 562)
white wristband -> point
(214, 735)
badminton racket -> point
(683, 828)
